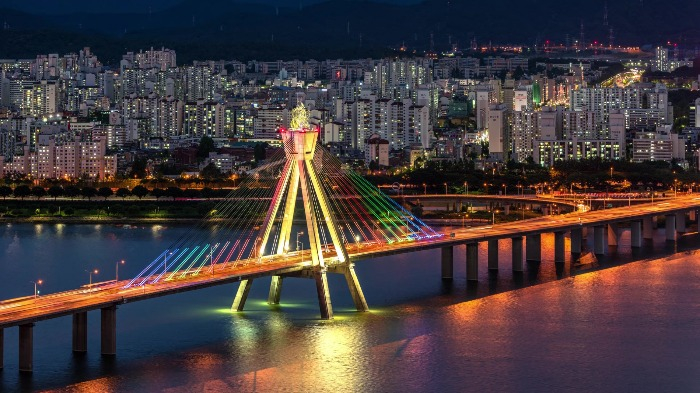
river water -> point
(621, 326)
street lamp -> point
(91, 272)
(466, 188)
(611, 170)
(357, 242)
(116, 276)
(505, 190)
(425, 189)
(445, 188)
(37, 282)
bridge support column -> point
(680, 222)
(275, 290)
(26, 347)
(517, 253)
(692, 215)
(613, 234)
(577, 240)
(559, 247)
(324, 296)
(2, 348)
(80, 332)
(533, 248)
(108, 316)
(648, 228)
(241, 295)
(358, 297)
(671, 228)
(636, 234)
(493, 254)
(447, 263)
(599, 240)
(472, 261)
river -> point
(620, 326)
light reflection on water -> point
(627, 328)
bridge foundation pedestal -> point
(472, 261)
(80, 332)
(26, 347)
(517, 253)
(324, 296)
(533, 248)
(108, 316)
(613, 234)
(648, 228)
(275, 290)
(559, 247)
(671, 233)
(493, 254)
(577, 240)
(636, 234)
(447, 263)
(680, 222)
(599, 239)
(241, 295)
(358, 297)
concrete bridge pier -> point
(613, 233)
(533, 248)
(472, 261)
(636, 235)
(26, 347)
(671, 234)
(648, 228)
(493, 254)
(517, 253)
(241, 295)
(577, 240)
(275, 290)
(80, 332)
(358, 297)
(680, 222)
(324, 296)
(108, 316)
(559, 247)
(599, 239)
(447, 263)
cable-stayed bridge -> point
(250, 235)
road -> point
(23, 310)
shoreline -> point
(181, 220)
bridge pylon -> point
(298, 175)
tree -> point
(22, 191)
(139, 191)
(55, 191)
(260, 151)
(206, 145)
(158, 192)
(105, 192)
(88, 192)
(138, 168)
(38, 192)
(5, 191)
(191, 193)
(123, 192)
(173, 192)
(71, 191)
(207, 192)
(210, 172)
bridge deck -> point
(24, 310)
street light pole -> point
(445, 188)
(37, 282)
(425, 189)
(116, 276)
(91, 272)
(301, 254)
